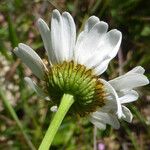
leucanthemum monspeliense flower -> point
(75, 68)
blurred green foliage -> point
(18, 24)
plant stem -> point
(94, 138)
(66, 102)
(15, 117)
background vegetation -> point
(18, 24)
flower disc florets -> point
(77, 80)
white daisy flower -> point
(75, 68)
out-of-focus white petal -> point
(138, 69)
(97, 123)
(128, 96)
(114, 121)
(31, 59)
(36, 88)
(90, 42)
(46, 37)
(108, 107)
(115, 101)
(129, 81)
(107, 118)
(69, 35)
(54, 108)
(128, 115)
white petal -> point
(80, 39)
(93, 37)
(63, 36)
(69, 35)
(90, 42)
(128, 96)
(115, 103)
(36, 88)
(57, 36)
(113, 41)
(110, 44)
(110, 106)
(88, 26)
(102, 67)
(31, 59)
(90, 23)
(108, 49)
(46, 36)
(129, 81)
(114, 121)
(138, 69)
(106, 118)
(94, 60)
(128, 115)
(54, 108)
(97, 123)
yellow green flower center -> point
(77, 80)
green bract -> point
(77, 80)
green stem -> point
(66, 102)
(15, 117)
